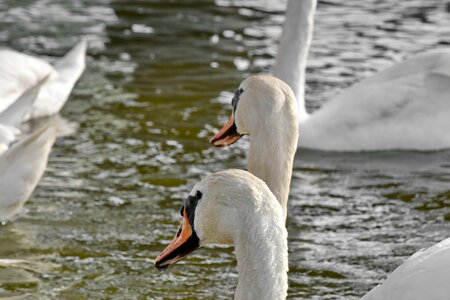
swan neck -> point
(262, 258)
(290, 64)
(271, 158)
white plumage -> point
(30, 87)
(20, 72)
(425, 275)
(21, 168)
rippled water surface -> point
(152, 94)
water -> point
(152, 95)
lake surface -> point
(157, 86)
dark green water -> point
(151, 96)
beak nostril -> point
(179, 232)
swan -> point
(406, 106)
(21, 167)
(264, 107)
(234, 206)
(20, 72)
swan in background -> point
(21, 167)
(233, 206)
(20, 72)
(264, 107)
(406, 106)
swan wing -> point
(425, 275)
(20, 109)
(55, 92)
(18, 73)
(404, 107)
(21, 168)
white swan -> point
(233, 206)
(236, 207)
(21, 168)
(264, 107)
(20, 72)
(406, 106)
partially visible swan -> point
(20, 72)
(424, 275)
(233, 206)
(264, 107)
(21, 168)
(406, 106)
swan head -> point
(259, 103)
(217, 210)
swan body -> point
(425, 275)
(403, 107)
(20, 72)
(21, 168)
(233, 206)
(264, 107)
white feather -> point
(21, 168)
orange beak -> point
(184, 242)
(227, 135)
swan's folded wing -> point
(18, 73)
(424, 275)
(404, 107)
